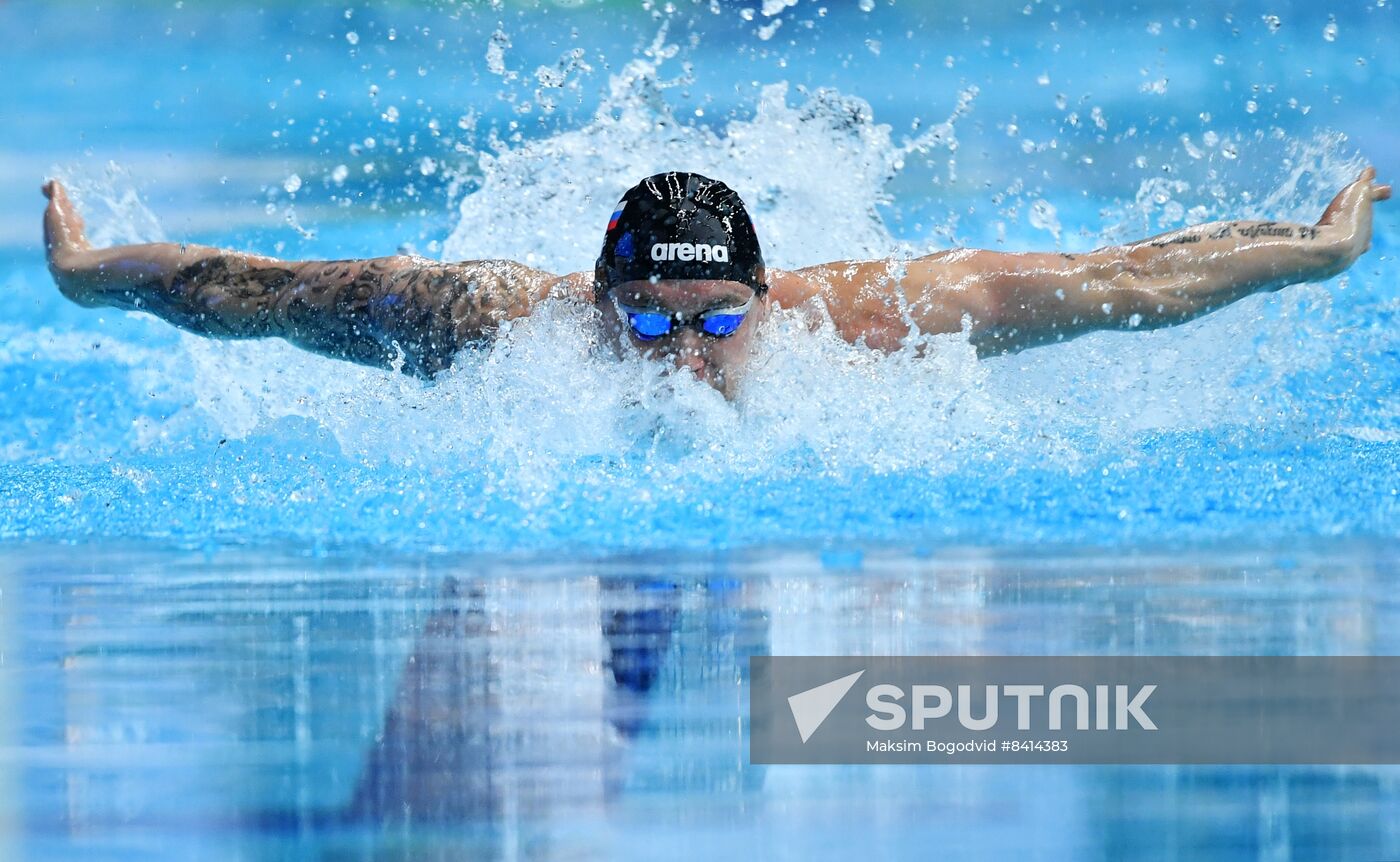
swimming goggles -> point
(648, 324)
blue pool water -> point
(247, 595)
(260, 705)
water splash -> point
(546, 438)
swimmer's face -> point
(717, 361)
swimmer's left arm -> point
(1017, 301)
(1012, 301)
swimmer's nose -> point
(692, 360)
(688, 353)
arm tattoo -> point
(1268, 228)
(1244, 230)
(215, 297)
(375, 312)
(1253, 230)
(1181, 239)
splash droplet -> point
(496, 53)
(1044, 217)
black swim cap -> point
(680, 225)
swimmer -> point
(681, 278)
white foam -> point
(814, 169)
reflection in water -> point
(10, 800)
(436, 758)
(638, 618)
(496, 719)
(470, 735)
(447, 709)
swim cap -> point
(680, 225)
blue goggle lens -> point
(720, 325)
(649, 325)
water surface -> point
(267, 705)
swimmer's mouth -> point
(713, 377)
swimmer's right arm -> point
(391, 312)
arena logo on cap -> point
(689, 251)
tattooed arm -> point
(380, 312)
(1017, 301)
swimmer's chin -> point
(724, 384)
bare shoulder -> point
(789, 289)
(858, 297)
(876, 300)
(521, 281)
(844, 282)
(478, 295)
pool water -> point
(259, 604)
(260, 705)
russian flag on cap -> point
(612, 222)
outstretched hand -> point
(1350, 214)
(64, 231)
(65, 239)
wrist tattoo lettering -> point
(1180, 239)
(1265, 229)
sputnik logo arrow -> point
(811, 707)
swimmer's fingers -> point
(1348, 216)
(1378, 192)
(64, 230)
(52, 220)
(1347, 204)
